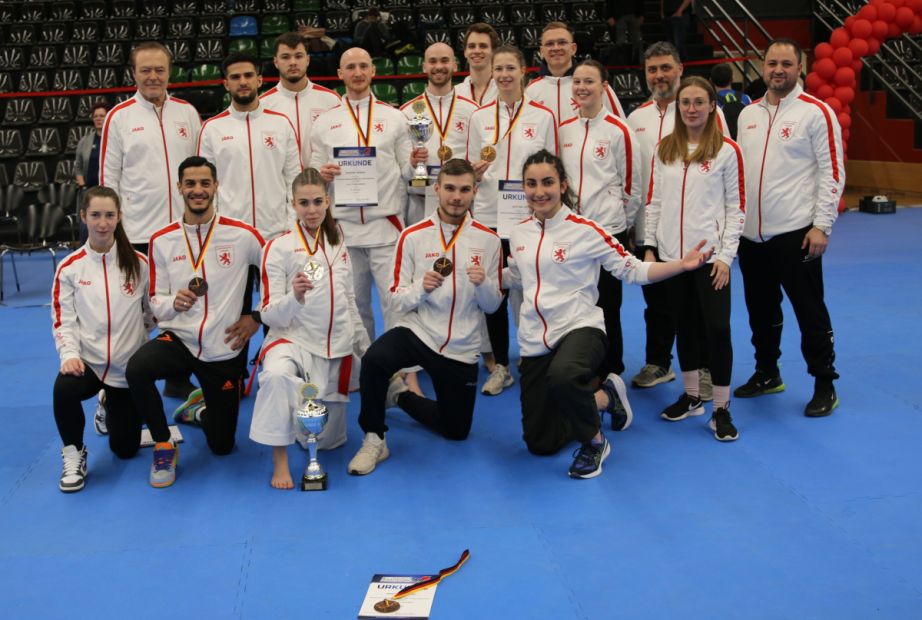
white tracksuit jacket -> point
(97, 315)
(650, 125)
(535, 129)
(602, 161)
(327, 323)
(695, 202)
(140, 152)
(488, 96)
(257, 157)
(556, 93)
(795, 174)
(557, 266)
(448, 319)
(302, 109)
(234, 246)
(388, 133)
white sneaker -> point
(73, 474)
(395, 388)
(498, 380)
(99, 420)
(373, 451)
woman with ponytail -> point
(99, 311)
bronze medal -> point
(198, 286)
(442, 266)
(488, 153)
(387, 606)
(444, 153)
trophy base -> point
(417, 182)
(314, 484)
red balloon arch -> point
(837, 63)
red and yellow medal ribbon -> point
(446, 247)
(442, 129)
(304, 242)
(364, 136)
(197, 263)
(515, 117)
(422, 585)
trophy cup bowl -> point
(420, 129)
(312, 417)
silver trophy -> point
(312, 417)
(420, 131)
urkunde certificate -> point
(511, 206)
(357, 184)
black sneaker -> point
(823, 402)
(760, 383)
(683, 408)
(618, 406)
(722, 425)
(587, 459)
(73, 473)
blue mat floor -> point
(801, 518)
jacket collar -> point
(553, 222)
(786, 101)
(147, 105)
(290, 94)
(98, 256)
(239, 115)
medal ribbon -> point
(197, 263)
(515, 117)
(304, 242)
(364, 136)
(446, 248)
(422, 585)
(437, 121)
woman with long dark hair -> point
(99, 308)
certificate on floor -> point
(416, 606)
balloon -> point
(835, 104)
(877, 3)
(813, 81)
(857, 66)
(879, 29)
(845, 120)
(839, 37)
(859, 47)
(825, 68)
(873, 46)
(845, 94)
(893, 30)
(843, 57)
(845, 76)
(904, 17)
(886, 12)
(846, 133)
(823, 50)
(861, 29)
(915, 5)
(868, 12)
(897, 3)
(916, 27)
(825, 91)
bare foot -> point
(281, 475)
(412, 381)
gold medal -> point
(198, 286)
(387, 606)
(444, 152)
(308, 391)
(488, 153)
(419, 107)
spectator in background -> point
(373, 34)
(730, 101)
(626, 17)
(676, 16)
(86, 161)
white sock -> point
(690, 379)
(721, 397)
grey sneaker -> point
(498, 380)
(705, 385)
(73, 474)
(651, 375)
(618, 405)
(373, 451)
(99, 420)
(396, 387)
(163, 469)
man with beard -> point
(255, 150)
(651, 122)
(198, 273)
(792, 149)
(450, 114)
(361, 121)
(295, 96)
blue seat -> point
(243, 26)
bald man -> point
(360, 120)
(450, 114)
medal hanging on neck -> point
(197, 284)
(444, 151)
(364, 136)
(443, 265)
(488, 153)
(313, 269)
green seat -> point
(178, 74)
(385, 92)
(205, 72)
(306, 5)
(410, 64)
(383, 66)
(275, 24)
(226, 101)
(245, 46)
(411, 90)
(267, 47)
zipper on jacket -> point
(201, 327)
(768, 135)
(166, 155)
(538, 289)
(105, 277)
(330, 327)
(252, 179)
(454, 296)
(682, 214)
(582, 152)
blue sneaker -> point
(163, 469)
(618, 406)
(588, 458)
(188, 412)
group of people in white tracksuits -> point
(192, 219)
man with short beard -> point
(295, 96)
(255, 150)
